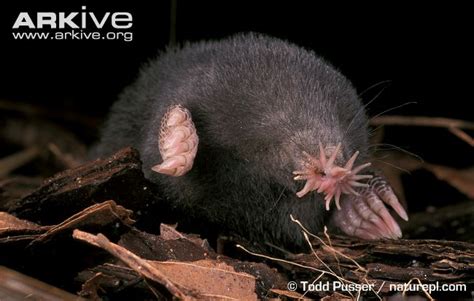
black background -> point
(424, 53)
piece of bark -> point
(288, 295)
(195, 280)
(154, 247)
(11, 226)
(91, 287)
(391, 261)
(118, 177)
(14, 188)
(16, 286)
(169, 233)
(49, 253)
(380, 263)
(338, 297)
(94, 217)
(455, 222)
(117, 281)
(173, 246)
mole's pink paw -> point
(366, 215)
(323, 175)
(178, 142)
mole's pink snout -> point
(363, 214)
(325, 176)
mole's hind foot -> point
(366, 216)
(178, 142)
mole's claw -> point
(366, 216)
(392, 200)
(352, 221)
(178, 142)
(381, 187)
(361, 206)
(379, 208)
(170, 166)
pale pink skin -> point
(362, 213)
(178, 142)
(323, 175)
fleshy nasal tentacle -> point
(324, 176)
(364, 213)
(178, 142)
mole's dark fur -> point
(257, 103)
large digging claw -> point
(178, 142)
(366, 215)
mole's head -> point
(327, 145)
(331, 171)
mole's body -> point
(261, 108)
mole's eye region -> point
(325, 176)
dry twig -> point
(12, 162)
(453, 125)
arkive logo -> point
(79, 25)
(62, 20)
